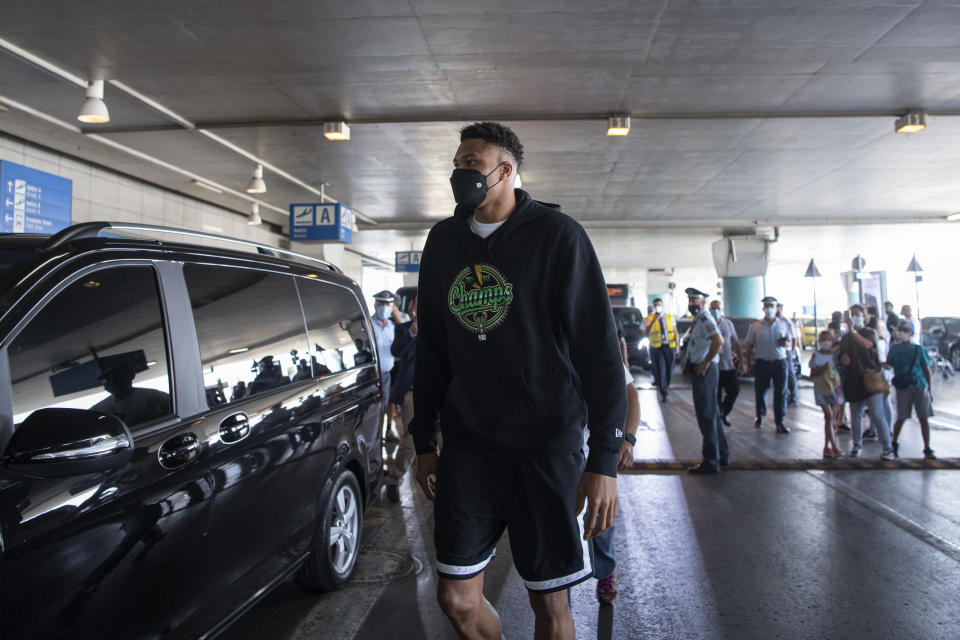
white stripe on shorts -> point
(455, 570)
(557, 583)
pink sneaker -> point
(606, 589)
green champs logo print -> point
(480, 298)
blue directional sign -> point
(327, 222)
(33, 201)
(408, 261)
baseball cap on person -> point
(905, 325)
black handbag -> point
(904, 380)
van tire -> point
(336, 541)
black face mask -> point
(694, 309)
(470, 186)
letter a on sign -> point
(326, 215)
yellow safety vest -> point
(656, 339)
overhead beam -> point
(448, 118)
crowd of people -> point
(868, 362)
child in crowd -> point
(911, 377)
(825, 389)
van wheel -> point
(336, 542)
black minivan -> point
(182, 427)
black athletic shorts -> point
(535, 499)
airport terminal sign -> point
(326, 222)
(33, 201)
(408, 261)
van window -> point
(99, 344)
(335, 326)
(250, 329)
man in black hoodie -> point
(517, 345)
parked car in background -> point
(139, 498)
(811, 332)
(638, 345)
(943, 333)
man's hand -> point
(600, 494)
(626, 456)
(701, 369)
(427, 473)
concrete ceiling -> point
(745, 111)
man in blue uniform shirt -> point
(703, 350)
(768, 340)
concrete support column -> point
(741, 296)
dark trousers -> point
(662, 358)
(792, 382)
(765, 372)
(705, 404)
(727, 391)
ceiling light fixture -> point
(94, 109)
(238, 350)
(336, 131)
(953, 217)
(618, 125)
(254, 218)
(911, 122)
(208, 187)
(256, 184)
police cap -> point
(384, 296)
(769, 300)
(693, 293)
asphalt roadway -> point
(781, 546)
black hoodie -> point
(517, 349)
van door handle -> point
(235, 428)
(179, 450)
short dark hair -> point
(496, 134)
(656, 300)
(857, 307)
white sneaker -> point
(887, 455)
(855, 451)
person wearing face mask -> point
(912, 380)
(703, 349)
(728, 386)
(766, 360)
(383, 333)
(793, 363)
(858, 355)
(661, 329)
(517, 345)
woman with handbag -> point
(826, 382)
(864, 384)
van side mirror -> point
(57, 443)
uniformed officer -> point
(730, 359)
(792, 366)
(661, 330)
(383, 333)
(767, 343)
(703, 350)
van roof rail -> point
(96, 229)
